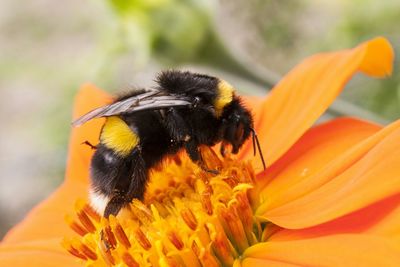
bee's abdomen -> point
(104, 170)
(118, 136)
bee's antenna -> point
(253, 137)
(258, 147)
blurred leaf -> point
(131, 7)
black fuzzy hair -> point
(188, 83)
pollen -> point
(188, 218)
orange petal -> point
(364, 174)
(39, 253)
(307, 91)
(47, 219)
(313, 151)
(381, 218)
(389, 225)
(88, 98)
(253, 262)
(334, 250)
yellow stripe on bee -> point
(118, 136)
(224, 97)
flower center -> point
(189, 218)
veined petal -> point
(307, 91)
(381, 218)
(45, 253)
(333, 250)
(79, 155)
(312, 152)
(364, 174)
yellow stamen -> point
(92, 214)
(175, 239)
(189, 219)
(206, 202)
(84, 218)
(68, 246)
(107, 236)
(88, 252)
(129, 260)
(234, 228)
(207, 259)
(222, 246)
(75, 226)
(106, 254)
(142, 239)
(119, 232)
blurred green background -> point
(48, 48)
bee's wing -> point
(149, 100)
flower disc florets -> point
(189, 218)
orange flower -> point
(330, 195)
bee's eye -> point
(234, 118)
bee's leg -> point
(176, 126)
(195, 156)
(105, 241)
(222, 149)
(113, 207)
(89, 144)
(115, 204)
(131, 183)
(139, 175)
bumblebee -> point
(142, 127)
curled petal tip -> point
(378, 57)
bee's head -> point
(237, 124)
